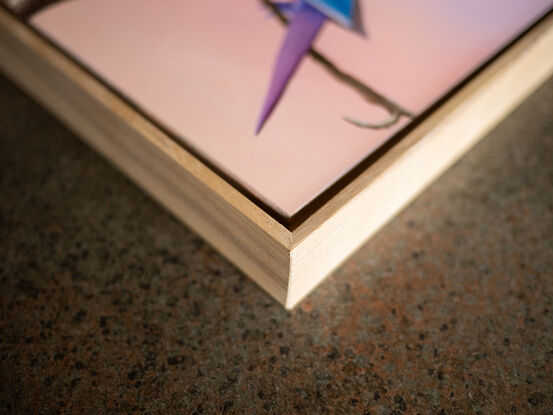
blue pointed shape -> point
(340, 11)
(306, 17)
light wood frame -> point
(288, 257)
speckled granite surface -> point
(109, 305)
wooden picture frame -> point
(288, 257)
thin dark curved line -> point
(396, 111)
(393, 119)
(26, 8)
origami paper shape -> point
(306, 19)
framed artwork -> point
(284, 133)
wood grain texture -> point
(239, 229)
(332, 233)
(286, 263)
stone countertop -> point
(108, 304)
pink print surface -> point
(202, 69)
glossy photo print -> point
(284, 97)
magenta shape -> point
(303, 28)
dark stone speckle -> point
(110, 305)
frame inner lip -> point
(294, 221)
